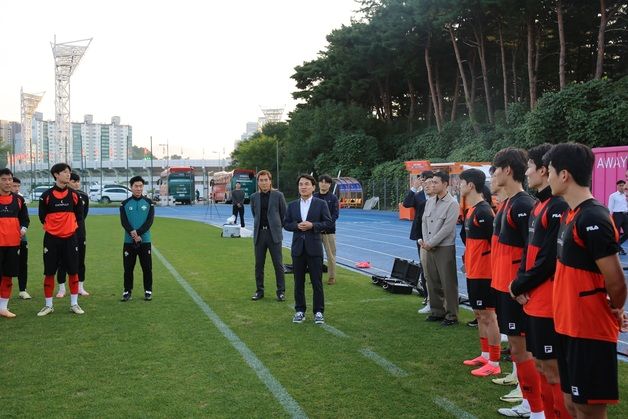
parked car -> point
(110, 194)
(36, 193)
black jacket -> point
(417, 201)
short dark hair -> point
(136, 179)
(325, 178)
(75, 177)
(6, 172)
(17, 180)
(444, 177)
(238, 183)
(620, 182)
(488, 196)
(427, 174)
(516, 159)
(536, 154)
(308, 177)
(575, 158)
(58, 168)
(475, 176)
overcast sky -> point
(190, 72)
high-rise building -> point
(89, 140)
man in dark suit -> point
(268, 207)
(306, 218)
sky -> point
(189, 73)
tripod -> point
(211, 205)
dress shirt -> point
(305, 207)
(617, 202)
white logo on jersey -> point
(478, 303)
(45, 250)
(592, 228)
(144, 207)
(549, 349)
(557, 215)
(523, 214)
(512, 326)
(126, 253)
(575, 391)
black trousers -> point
(264, 243)
(422, 275)
(60, 251)
(313, 265)
(621, 223)
(239, 211)
(22, 276)
(61, 272)
(130, 252)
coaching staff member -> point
(307, 217)
(268, 207)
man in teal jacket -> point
(136, 215)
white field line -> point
(289, 404)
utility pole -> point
(151, 166)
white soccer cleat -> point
(7, 314)
(83, 293)
(24, 295)
(76, 309)
(425, 310)
(60, 294)
(45, 311)
(518, 411)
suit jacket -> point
(308, 243)
(276, 214)
(417, 201)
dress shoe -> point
(281, 297)
(331, 281)
(257, 296)
(449, 322)
(432, 318)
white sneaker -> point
(515, 396)
(83, 293)
(425, 310)
(518, 411)
(45, 311)
(24, 295)
(76, 309)
(507, 380)
(319, 318)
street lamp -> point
(167, 152)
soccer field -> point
(201, 348)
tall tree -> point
(599, 64)
(561, 36)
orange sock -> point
(49, 285)
(6, 285)
(547, 396)
(560, 411)
(494, 352)
(74, 286)
(484, 344)
(530, 384)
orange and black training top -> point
(478, 226)
(13, 216)
(60, 211)
(581, 309)
(539, 259)
(512, 239)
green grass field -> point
(166, 358)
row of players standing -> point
(62, 211)
(544, 272)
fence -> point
(390, 192)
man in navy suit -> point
(306, 218)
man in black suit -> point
(268, 207)
(306, 218)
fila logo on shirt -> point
(512, 326)
(478, 303)
(522, 214)
(575, 391)
(549, 349)
(592, 228)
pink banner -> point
(611, 164)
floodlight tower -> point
(67, 56)
(272, 115)
(29, 103)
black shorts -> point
(588, 370)
(511, 318)
(541, 337)
(9, 260)
(60, 251)
(481, 295)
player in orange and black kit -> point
(478, 226)
(533, 286)
(589, 287)
(13, 224)
(507, 254)
(60, 211)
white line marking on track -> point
(383, 362)
(452, 408)
(289, 404)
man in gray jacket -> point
(438, 252)
(268, 207)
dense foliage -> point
(452, 80)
